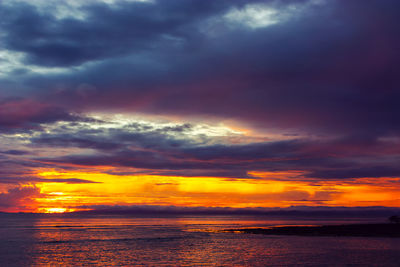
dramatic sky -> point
(219, 103)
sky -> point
(193, 103)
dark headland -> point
(365, 230)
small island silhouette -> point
(391, 229)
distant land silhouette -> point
(365, 230)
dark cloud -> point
(66, 140)
(328, 70)
(18, 114)
(374, 171)
(107, 31)
(30, 179)
(159, 153)
(15, 152)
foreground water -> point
(180, 241)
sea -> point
(115, 240)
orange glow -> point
(272, 189)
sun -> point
(54, 210)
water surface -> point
(181, 241)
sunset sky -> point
(197, 103)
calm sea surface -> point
(180, 241)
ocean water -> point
(180, 241)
